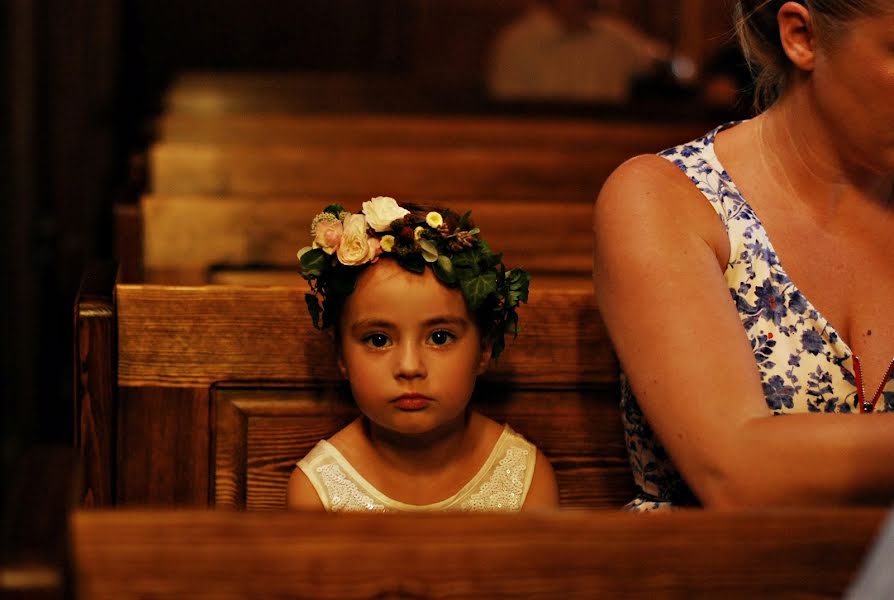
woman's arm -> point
(658, 251)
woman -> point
(783, 305)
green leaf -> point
(429, 250)
(443, 268)
(464, 221)
(313, 262)
(342, 281)
(477, 289)
(334, 209)
(412, 262)
(313, 307)
(466, 264)
(519, 281)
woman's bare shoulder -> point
(648, 198)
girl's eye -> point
(377, 340)
(440, 338)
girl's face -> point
(410, 349)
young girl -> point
(418, 306)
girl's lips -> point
(412, 402)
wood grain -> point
(196, 233)
(179, 336)
(261, 433)
(404, 172)
(95, 371)
(439, 131)
(164, 446)
(223, 554)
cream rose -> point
(381, 211)
(355, 247)
(327, 234)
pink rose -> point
(327, 235)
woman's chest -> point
(847, 276)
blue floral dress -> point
(804, 364)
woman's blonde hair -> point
(758, 33)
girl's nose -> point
(410, 363)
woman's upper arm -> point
(543, 492)
(301, 494)
(662, 294)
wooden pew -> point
(555, 174)
(693, 554)
(441, 131)
(193, 240)
(210, 394)
(242, 92)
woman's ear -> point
(797, 35)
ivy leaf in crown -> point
(345, 243)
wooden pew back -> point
(214, 392)
(185, 237)
(197, 554)
(403, 172)
(423, 131)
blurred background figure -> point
(568, 50)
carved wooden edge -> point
(230, 412)
(229, 424)
(35, 538)
(95, 398)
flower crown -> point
(344, 243)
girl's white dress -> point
(500, 485)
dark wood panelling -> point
(95, 399)
(163, 446)
(260, 434)
(694, 554)
(198, 336)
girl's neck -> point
(423, 453)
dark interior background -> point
(81, 78)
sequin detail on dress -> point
(504, 489)
(344, 493)
(501, 484)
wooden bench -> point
(554, 174)
(441, 131)
(193, 240)
(693, 554)
(208, 395)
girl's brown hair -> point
(758, 33)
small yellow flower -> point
(417, 233)
(434, 220)
(387, 242)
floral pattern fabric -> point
(804, 364)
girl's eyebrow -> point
(371, 324)
(447, 320)
(459, 322)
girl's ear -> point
(487, 349)
(342, 367)
(797, 35)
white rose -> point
(381, 211)
(355, 247)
